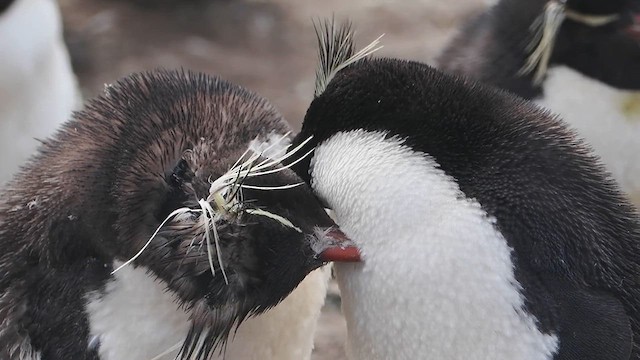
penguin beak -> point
(337, 247)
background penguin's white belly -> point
(607, 118)
(38, 89)
(437, 280)
(138, 319)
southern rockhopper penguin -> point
(38, 89)
(179, 172)
(487, 229)
(579, 58)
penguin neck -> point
(426, 248)
(607, 117)
(561, 85)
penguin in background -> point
(38, 89)
(158, 223)
(579, 58)
(486, 228)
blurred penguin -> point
(579, 58)
(38, 90)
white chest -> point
(137, 319)
(437, 280)
(607, 118)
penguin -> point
(159, 223)
(38, 89)
(486, 228)
(579, 58)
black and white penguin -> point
(38, 89)
(579, 58)
(487, 230)
(179, 172)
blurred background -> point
(266, 46)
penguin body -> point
(38, 90)
(593, 76)
(487, 229)
(138, 232)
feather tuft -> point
(336, 49)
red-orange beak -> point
(340, 248)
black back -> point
(569, 225)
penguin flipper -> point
(593, 324)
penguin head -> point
(607, 49)
(259, 244)
(353, 95)
(600, 39)
(365, 96)
(200, 196)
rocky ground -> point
(266, 46)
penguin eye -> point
(180, 174)
(176, 194)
